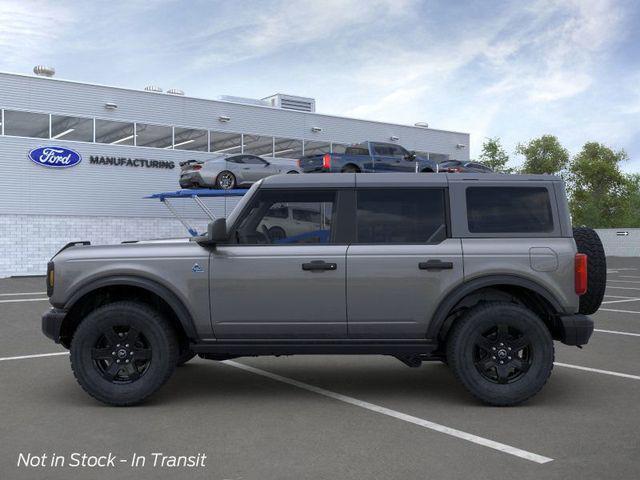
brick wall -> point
(27, 242)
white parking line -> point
(622, 288)
(597, 370)
(23, 357)
(628, 299)
(629, 276)
(25, 300)
(618, 311)
(617, 332)
(533, 457)
(24, 293)
(623, 281)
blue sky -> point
(510, 69)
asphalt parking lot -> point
(336, 417)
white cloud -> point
(29, 30)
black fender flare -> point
(466, 288)
(178, 307)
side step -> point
(245, 348)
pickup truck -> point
(368, 157)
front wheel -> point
(501, 352)
(123, 352)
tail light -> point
(326, 161)
(453, 170)
(298, 163)
(581, 273)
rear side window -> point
(401, 216)
(357, 151)
(509, 210)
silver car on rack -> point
(230, 171)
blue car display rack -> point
(196, 195)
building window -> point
(226, 143)
(316, 148)
(190, 139)
(115, 133)
(257, 145)
(71, 128)
(26, 124)
(287, 148)
(157, 136)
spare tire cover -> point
(588, 242)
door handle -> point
(435, 265)
(319, 266)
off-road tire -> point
(462, 350)
(161, 343)
(588, 242)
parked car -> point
(287, 224)
(460, 166)
(479, 271)
(229, 171)
(368, 157)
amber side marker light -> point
(581, 273)
(50, 279)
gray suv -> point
(481, 271)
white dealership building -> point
(128, 143)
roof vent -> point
(175, 91)
(291, 102)
(153, 88)
(43, 71)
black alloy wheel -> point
(502, 354)
(121, 354)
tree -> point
(494, 156)
(543, 155)
(601, 195)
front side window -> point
(509, 210)
(267, 220)
(414, 216)
(26, 124)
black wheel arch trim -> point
(466, 288)
(182, 313)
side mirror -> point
(216, 233)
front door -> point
(281, 278)
(401, 264)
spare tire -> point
(588, 242)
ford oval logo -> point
(56, 157)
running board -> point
(247, 348)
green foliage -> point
(494, 156)
(602, 196)
(543, 155)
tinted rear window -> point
(509, 210)
(401, 216)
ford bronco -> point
(480, 271)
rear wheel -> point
(292, 172)
(350, 169)
(123, 352)
(501, 352)
(225, 180)
(588, 242)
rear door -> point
(279, 279)
(402, 262)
